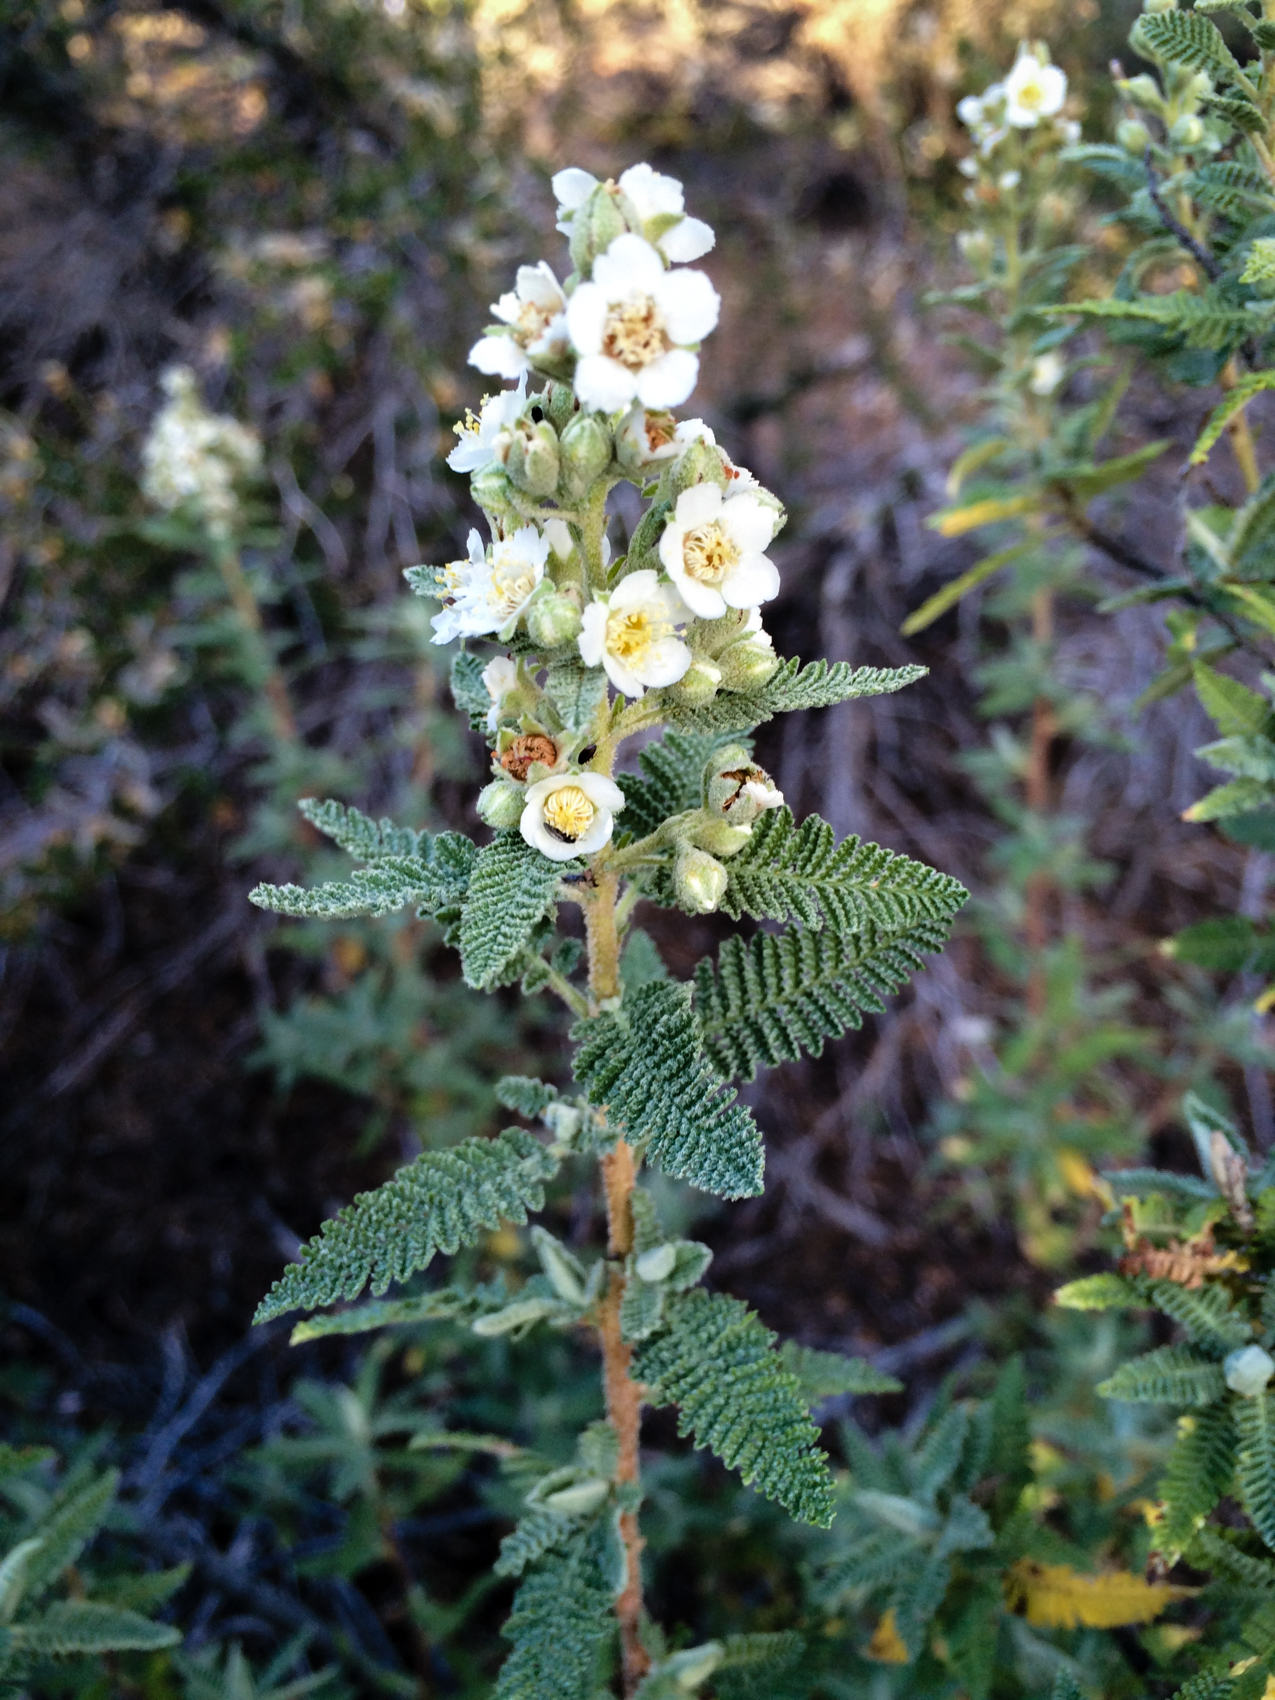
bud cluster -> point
(1164, 121)
(600, 644)
(1017, 127)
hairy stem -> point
(623, 1394)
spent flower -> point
(655, 205)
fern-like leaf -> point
(823, 1375)
(1170, 1375)
(86, 1626)
(1203, 321)
(560, 1622)
(66, 1531)
(789, 872)
(1200, 1469)
(435, 877)
(511, 888)
(538, 1531)
(793, 686)
(360, 836)
(443, 1200)
(1186, 38)
(1211, 1551)
(644, 1065)
(719, 1365)
(771, 998)
(1206, 1313)
(1255, 1461)
(671, 781)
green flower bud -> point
(658, 1263)
(594, 228)
(500, 805)
(586, 453)
(749, 663)
(701, 462)
(532, 460)
(1188, 132)
(1143, 91)
(553, 620)
(1133, 136)
(699, 880)
(560, 405)
(722, 838)
(698, 684)
(1248, 1370)
(491, 489)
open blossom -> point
(631, 634)
(454, 586)
(570, 814)
(533, 309)
(196, 458)
(1047, 372)
(712, 549)
(634, 326)
(490, 589)
(654, 198)
(480, 439)
(1033, 91)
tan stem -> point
(1241, 435)
(623, 1394)
(245, 604)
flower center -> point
(708, 554)
(631, 634)
(512, 582)
(568, 813)
(533, 321)
(1031, 94)
(634, 333)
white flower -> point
(631, 634)
(764, 792)
(632, 327)
(1046, 373)
(1009, 180)
(653, 198)
(500, 676)
(480, 438)
(560, 540)
(1033, 91)
(195, 458)
(456, 584)
(570, 814)
(970, 111)
(712, 550)
(533, 309)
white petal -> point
(698, 505)
(586, 318)
(621, 677)
(537, 834)
(670, 600)
(602, 792)
(651, 192)
(629, 267)
(703, 600)
(559, 535)
(752, 580)
(592, 638)
(572, 187)
(604, 384)
(599, 831)
(749, 523)
(498, 357)
(668, 381)
(468, 455)
(538, 285)
(635, 589)
(666, 662)
(508, 307)
(687, 240)
(689, 303)
(553, 339)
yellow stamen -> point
(708, 553)
(512, 582)
(634, 333)
(568, 813)
(631, 634)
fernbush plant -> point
(593, 647)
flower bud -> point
(579, 1499)
(977, 249)
(1248, 1370)
(1199, 86)
(585, 453)
(699, 880)
(490, 488)
(500, 805)
(749, 663)
(722, 838)
(740, 793)
(701, 463)
(1133, 136)
(532, 460)
(1188, 132)
(1143, 91)
(698, 684)
(560, 405)
(645, 438)
(594, 228)
(553, 620)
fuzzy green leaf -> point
(441, 1304)
(1185, 38)
(362, 837)
(468, 691)
(1210, 1550)
(1206, 1313)
(538, 1531)
(645, 1066)
(719, 1365)
(1200, 1470)
(789, 872)
(793, 686)
(672, 780)
(1203, 321)
(67, 1530)
(524, 1095)
(771, 998)
(443, 1200)
(511, 888)
(1230, 404)
(1100, 1292)
(86, 1626)
(822, 1375)
(434, 877)
(560, 1622)
(1232, 707)
(1170, 1375)
(1255, 1461)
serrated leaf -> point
(1199, 1471)
(391, 883)
(85, 1626)
(561, 1620)
(818, 685)
(1170, 1375)
(822, 1375)
(365, 839)
(1185, 38)
(1255, 1460)
(511, 888)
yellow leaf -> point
(1077, 1175)
(886, 1644)
(1054, 1596)
(959, 520)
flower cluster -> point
(598, 360)
(1013, 123)
(196, 459)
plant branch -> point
(1207, 264)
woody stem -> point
(623, 1394)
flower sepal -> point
(500, 805)
(698, 685)
(532, 460)
(585, 455)
(594, 227)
